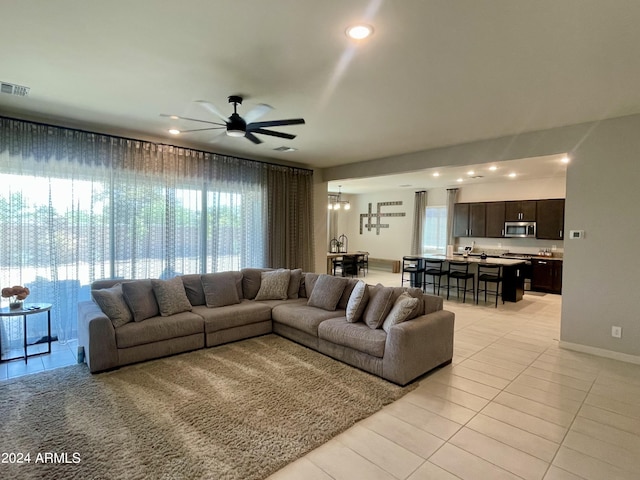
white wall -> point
(393, 242)
(513, 190)
(600, 282)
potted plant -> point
(16, 295)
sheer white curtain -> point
(419, 217)
(77, 206)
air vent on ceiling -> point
(285, 149)
(13, 89)
(477, 176)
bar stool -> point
(435, 269)
(489, 274)
(414, 266)
(460, 271)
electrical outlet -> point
(616, 332)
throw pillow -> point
(294, 283)
(357, 302)
(171, 296)
(401, 311)
(141, 300)
(379, 306)
(251, 281)
(327, 291)
(112, 304)
(220, 289)
(193, 288)
(274, 285)
(310, 280)
(346, 295)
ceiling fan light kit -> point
(237, 126)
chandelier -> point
(336, 202)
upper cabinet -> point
(495, 219)
(469, 220)
(520, 211)
(550, 219)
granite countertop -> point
(475, 258)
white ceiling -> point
(434, 73)
(536, 168)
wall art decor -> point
(369, 216)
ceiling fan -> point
(237, 126)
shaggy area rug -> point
(238, 411)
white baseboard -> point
(600, 352)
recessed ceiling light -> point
(174, 117)
(459, 180)
(436, 174)
(512, 174)
(359, 32)
(493, 168)
(470, 172)
(565, 159)
(174, 131)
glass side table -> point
(27, 310)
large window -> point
(435, 230)
(78, 206)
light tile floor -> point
(512, 405)
(61, 355)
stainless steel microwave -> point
(520, 229)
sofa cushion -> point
(112, 304)
(294, 283)
(170, 296)
(244, 313)
(251, 281)
(274, 285)
(327, 292)
(221, 289)
(414, 293)
(303, 317)
(379, 305)
(156, 329)
(346, 294)
(402, 309)
(310, 280)
(357, 336)
(357, 302)
(140, 298)
(193, 288)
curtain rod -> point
(147, 141)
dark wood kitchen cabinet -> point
(546, 275)
(550, 219)
(469, 220)
(520, 211)
(495, 216)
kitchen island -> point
(512, 271)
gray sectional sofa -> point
(392, 332)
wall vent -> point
(13, 89)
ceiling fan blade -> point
(276, 123)
(217, 137)
(201, 129)
(257, 112)
(211, 107)
(192, 119)
(273, 133)
(252, 137)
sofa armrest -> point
(98, 337)
(432, 303)
(417, 346)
